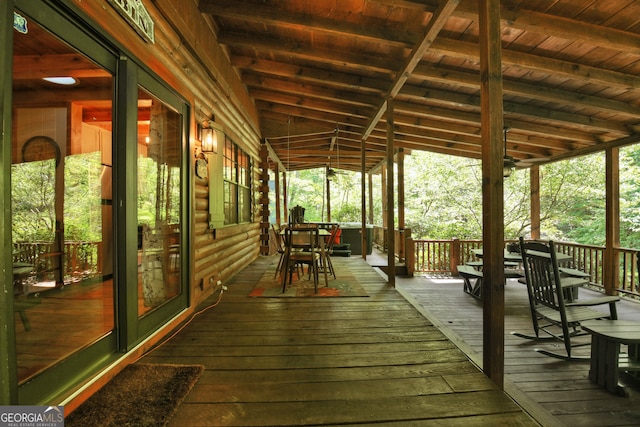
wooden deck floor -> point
(345, 361)
(555, 392)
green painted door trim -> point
(8, 375)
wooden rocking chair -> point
(550, 313)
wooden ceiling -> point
(318, 69)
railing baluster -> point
(434, 256)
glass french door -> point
(97, 152)
(62, 211)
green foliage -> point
(158, 193)
(443, 198)
(33, 199)
(630, 197)
(307, 188)
(83, 198)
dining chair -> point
(329, 243)
(303, 247)
(280, 247)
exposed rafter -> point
(571, 74)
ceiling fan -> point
(331, 173)
(508, 162)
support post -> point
(328, 200)
(363, 196)
(401, 224)
(534, 184)
(276, 180)
(391, 241)
(371, 219)
(285, 196)
(492, 190)
(264, 200)
(612, 222)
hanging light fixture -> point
(508, 162)
(331, 174)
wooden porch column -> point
(328, 200)
(391, 241)
(363, 196)
(285, 196)
(264, 200)
(276, 180)
(612, 221)
(385, 204)
(401, 224)
(492, 190)
(371, 219)
(534, 184)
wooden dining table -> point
(508, 256)
(473, 276)
(323, 233)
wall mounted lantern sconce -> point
(210, 163)
(211, 137)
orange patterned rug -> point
(344, 285)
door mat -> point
(142, 395)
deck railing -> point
(442, 256)
(79, 259)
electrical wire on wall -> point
(166, 339)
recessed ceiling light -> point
(67, 81)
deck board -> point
(372, 360)
(555, 391)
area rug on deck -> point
(345, 285)
(141, 395)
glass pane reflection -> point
(61, 202)
(159, 136)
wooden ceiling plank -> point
(430, 119)
(322, 105)
(467, 50)
(345, 59)
(451, 99)
(558, 26)
(377, 85)
(344, 94)
(272, 16)
(532, 91)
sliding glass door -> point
(61, 201)
(97, 151)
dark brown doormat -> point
(141, 395)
